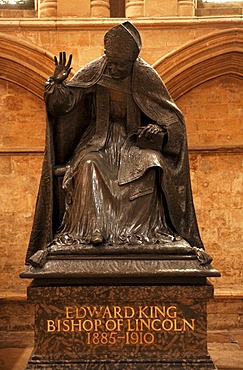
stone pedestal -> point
(145, 314)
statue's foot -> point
(97, 238)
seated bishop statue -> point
(116, 169)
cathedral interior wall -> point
(212, 109)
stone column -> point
(47, 8)
(187, 8)
(100, 8)
(134, 8)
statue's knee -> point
(90, 159)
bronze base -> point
(121, 269)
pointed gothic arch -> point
(24, 64)
(192, 64)
(200, 60)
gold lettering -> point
(158, 311)
(142, 313)
(171, 312)
(110, 325)
(175, 326)
(50, 326)
(107, 312)
(58, 325)
(126, 312)
(119, 324)
(129, 326)
(81, 313)
(78, 324)
(66, 326)
(153, 325)
(191, 326)
(94, 311)
(146, 323)
(121, 319)
(97, 323)
(88, 325)
(148, 338)
(165, 326)
(117, 312)
(68, 313)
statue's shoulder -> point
(144, 71)
(151, 94)
(147, 81)
(89, 74)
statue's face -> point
(119, 68)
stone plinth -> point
(147, 319)
(120, 327)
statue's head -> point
(122, 46)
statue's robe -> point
(73, 129)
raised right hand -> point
(62, 69)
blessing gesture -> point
(62, 70)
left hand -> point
(149, 130)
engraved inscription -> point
(131, 325)
(120, 323)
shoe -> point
(97, 238)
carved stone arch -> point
(24, 64)
(203, 59)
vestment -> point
(78, 123)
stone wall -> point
(212, 108)
(213, 115)
(22, 128)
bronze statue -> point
(116, 169)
